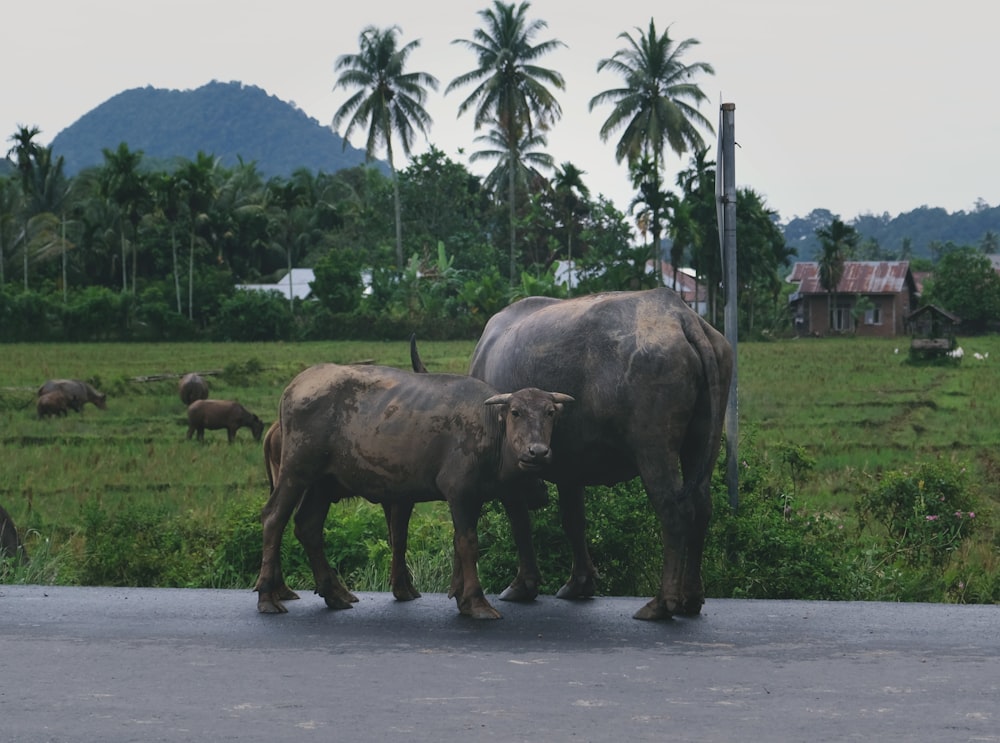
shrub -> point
(253, 316)
(926, 511)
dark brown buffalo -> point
(396, 439)
(192, 387)
(216, 414)
(650, 378)
(10, 543)
(52, 404)
(77, 393)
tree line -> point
(128, 249)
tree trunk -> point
(191, 279)
(124, 262)
(513, 240)
(177, 278)
(397, 207)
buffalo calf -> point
(396, 439)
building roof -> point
(294, 282)
(690, 289)
(859, 277)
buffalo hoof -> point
(663, 609)
(580, 587)
(337, 602)
(405, 592)
(478, 609)
(286, 594)
(335, 594)
(520, 591)
(268, 603)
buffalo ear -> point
(501, 399)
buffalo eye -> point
(515, 412)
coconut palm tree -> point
(511, 90)
(571, 197)
(389, 101)
(25, 152)
(526, 167)
(126, 186)
(657, 107)
(838, 241)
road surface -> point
(139, 664)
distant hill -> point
(920, 228)
(227, 120)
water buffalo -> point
(192, 387)
(10, 543)
(651, 380)
(396, 439)
(216, 414)
(77, 393)
(52, 404)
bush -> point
(926, 512)
(253, 316)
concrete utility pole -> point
(727, 236)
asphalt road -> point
(113, 664)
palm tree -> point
(126, 187)
(389, 101)
(837, 240)
(526, 167)
(571, 196)
(25, 151)
(657, 107)
(510, 91)
(198, 188)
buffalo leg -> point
(525, 585)
(583, 577)
(274, 518)
(465, 586)
(397, 519)
(683, 521)
(309, 519)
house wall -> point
(893, 311)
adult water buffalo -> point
(52, 404)
(192, 387)
(397, 439)
(77, 393)
(216, 414)
(651, 379)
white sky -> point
(857, 106)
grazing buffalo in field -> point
(651, 379)
(227, 414)
(192, 387)
(10, 543)
(52, 404)
(77, 393)
(396, 439)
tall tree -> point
(656, 107)
(837, 241)
(198, 189)
(126, 187)
(511, 90)
(571, 204)
(25, 151)
(390, 101)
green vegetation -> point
(863, 476)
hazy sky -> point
(855, 106)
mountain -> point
(227, 120)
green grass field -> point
(855, 406)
